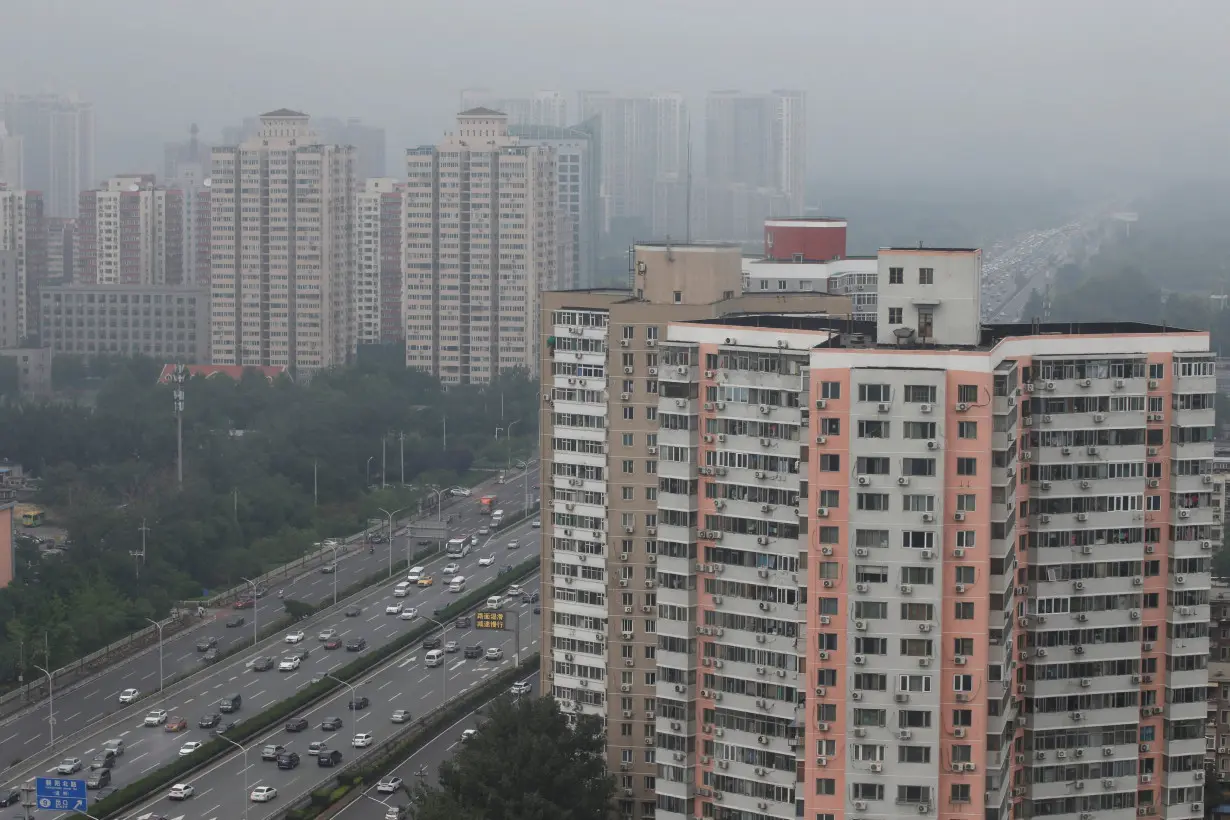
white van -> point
(495, 602)
(434, 658)
(458, 584)
(415, 574)
(402, 589)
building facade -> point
(58, 146)
(166, 322)
(600, 463)
(11, 162)
(130, 231)
(480, 246)
(380, 209)
(23, 230)
(281, 248)
(922, 567)
(542, 108)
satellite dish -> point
(207, 182)
(134, 187)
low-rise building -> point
(168, 322)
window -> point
(913, 754)
(826, 786)
(629, 467)
(922, 393)
(967, 429)
(877, 539)
(913, 502)
(830, 426)
(877, 465)
(679, 297)
(967, 393)
(965, 539)
(919, 429)
(966, 501)
(926, 276)
(1157, 371)
(875, 392)
(895, 316)
(877, 502)
(628, 413)
(914, 683)
(918, 466)
(829, 498)
(960, 793)
(830, 463)
(830, 390)
(964, 610)
(967, 466)
(874, 429)
(896, 276)
(917, 540)
(962, 683)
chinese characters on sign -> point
(489, 620)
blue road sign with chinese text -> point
(60, 794)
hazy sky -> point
(917, 88)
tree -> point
(526, 763)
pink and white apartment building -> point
(926, 567)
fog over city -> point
(945, 89)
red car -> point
(335, 643)
(176, 724)
(245, 603)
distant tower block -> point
(1127, 219)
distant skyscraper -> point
(541, 108)
(367, 140)
(130, 231)
(480, 247)
(578, 183)
(754, 159)
(643, 142)
(58, 145)
(188, 168)
(191, 151)
(23, 231)
(10, 159)
(380, 209)
(61, 250)
(282, 248)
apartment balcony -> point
(1196, 517)
(1185, 581)
(1085, 786)
(1190, 678)
(1192, 418)
(1184, 780)
(580, 684)
(1195, 746)
(1079, 719)
(1186, 711)
(1193, 483)
(1080, 686)
(753, 806)
(757, 412)
(1102, 814)
(678, 373)
(676, 438)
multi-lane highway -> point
(92, 713)
(404, 682)
(428, 757)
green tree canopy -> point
(526, 763)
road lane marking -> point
(381, 686)
(398, 695)
(122, 734)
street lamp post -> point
(255, 607)
(508, 440)
(369, 472)
(439, 501)
(158, 626)
(390, 516)
(247, 798)
(51, 704)
(354, 697)
(333, 552)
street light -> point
(439, 501)
(526, 480)
(369, 472)
(247, 798)
(159, 628)
(508, 439)
(354, 697)
(255, 607)
(51, 704)
(390, 517)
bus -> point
(32, 517)
(486, 504)
(457, 548)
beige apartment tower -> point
(600, 366)
(282, 248)
(481, 222)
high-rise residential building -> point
(10, 333)
(188, 169)
(281, 248)
(10, 159)
(916, 567)
(23, 230)
(600, 463)
(130, 231)
(367, 140)
(755, 158)
(61, 250)
(578, 174)
(480, 223)
(380, 210)
(544, 108)
(58, 146)
(643, 142)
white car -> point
(521, 687)
(190, 747)
(392, 609)
(181, 791)
(156, 717)
(129, 696)
(327, 634)
(461, 492)
(535, 523)
(451, 569)
(409, 614)
(288, 665)
(263, 794)
(486, 562)
(388, 785)
(362, 740)
(295, 637)
(469, 734)
(484, 530)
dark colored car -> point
(353, 611)
(262, 665)
(356, 644)
(271, 751)
(361, 702)
(11, 799)
(331, 724)
(330, 758)
(377, 539)
(537, 610)
(504, 569)
(103, 760)
(462, 623)
(230, 704)
(424, 542)
(210, 656)
(237, 621)
(209, 721)
(529, 597)
(432, 643)
(288, 760)
(301, 652)
(261, 592)
(99, 779)
(244, 603)
(474, 651)
(333, 643)
(328, 569)
(205, 644)
(298, 724)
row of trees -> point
(270, 468)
